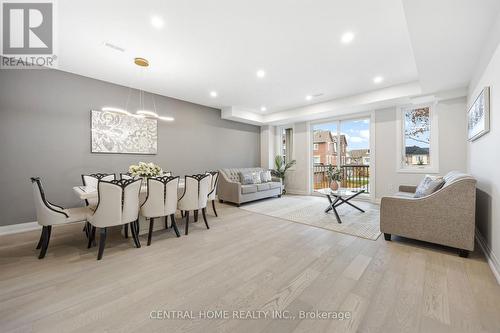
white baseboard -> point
(17, 228)
(490, 256)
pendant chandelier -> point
(141, 112)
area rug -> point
(310, 210)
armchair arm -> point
(277, 179)
(407, 188)
(228, 190)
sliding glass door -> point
(345, 145)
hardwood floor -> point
(248, 262)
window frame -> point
(401, 166)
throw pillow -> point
(265, 176)
(256, 177)
(246, 178)
(428, 186)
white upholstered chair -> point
(127, 175)
(196, 188)
(118, 204)
(213, 188)
(161, 201)
(48, 214)
(92, 180)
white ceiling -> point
(219, 45)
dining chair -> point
(213, 188)
(118, 204)
(49, 214)
(127, 175)
(92, 180)
(161, 200)
(194, 198)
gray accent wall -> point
(45, 132)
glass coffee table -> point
(339, 197)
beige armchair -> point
(445, 217)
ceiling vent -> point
(114, 47)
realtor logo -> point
(27, 30)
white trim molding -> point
(18, 228)
(493, 261)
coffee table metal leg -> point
(337, 215)
(332, 206)
(346, 201)
(329, 208)
(354, 206)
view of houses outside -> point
(417, 137)
(347, 148)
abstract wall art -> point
(113, 132)
(478, 117)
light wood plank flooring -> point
(245, 261)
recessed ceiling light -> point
(157, 22)
(261, 73)
(378, 79)
(213, 94)
(347, 37)
(309, 97)
(263, 108)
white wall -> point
(298, 178)
(452, 143)
(483, 160)
(267, 146)
(452, 140)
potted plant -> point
(334, 175)
(281, 167)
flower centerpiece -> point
(335, 176)
(145, 170)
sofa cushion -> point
(274, 185)
(454, 176)
(256, 177)
(266, 176)
(233, 174)
(263, 187)
(404, 195)
(245, 189)
(246, 178)
(428, 186)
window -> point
(419, 147)
(316, 146)
(317, 159)
(286, 144)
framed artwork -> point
(118, 133)
(478, 116)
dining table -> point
(90, 192)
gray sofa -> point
(230, 188)
(445, 217)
